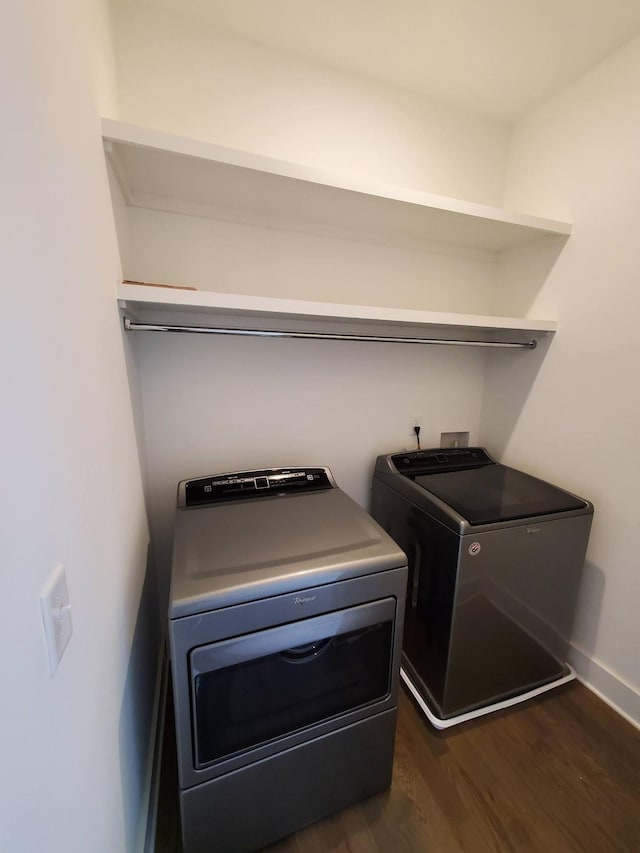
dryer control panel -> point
(240, 485)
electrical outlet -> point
(56, 616)
(415, 421)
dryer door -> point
(252, 689)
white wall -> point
(573, 417)
(187, 77)
(237, 258)
(73, 745)
(218, 405)
(214, 405)
(564, 412)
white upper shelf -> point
(161, 171)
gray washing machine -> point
(285, 625)
(495, 563)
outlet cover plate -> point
(458, 438)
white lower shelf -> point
(143, 304)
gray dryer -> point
(285, 625)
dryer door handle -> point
(289, 637)
(306, 652)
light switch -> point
(56, 616)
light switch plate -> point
(56, 616)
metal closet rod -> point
(132, 326)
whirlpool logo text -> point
(304, 599)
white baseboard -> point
(155, 747)
(611, 688)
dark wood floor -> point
(560, 774)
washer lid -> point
(494, 492)
(236, 551)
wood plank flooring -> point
(559, 774)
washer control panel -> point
(439, 460)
